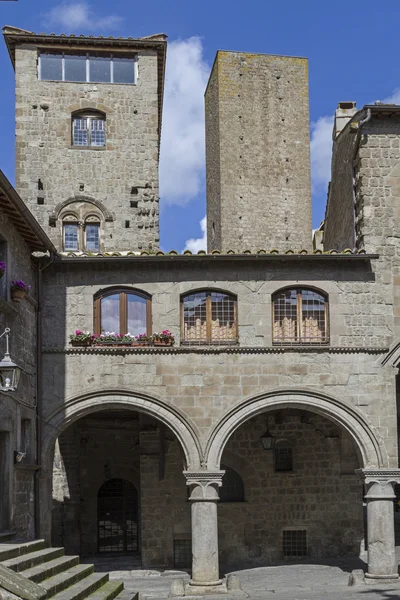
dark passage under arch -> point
(117, 515)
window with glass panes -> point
(122, 311)
(300, 316)
(209, 318)
(87, 67)
(89, 130)
(92, 236)
(70, 232)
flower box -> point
(19, 289)
(81, 342)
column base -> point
(391, 578)
(230, 584)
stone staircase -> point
(48, 573)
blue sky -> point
(352, 50)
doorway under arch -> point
(118, 517)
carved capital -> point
(379, 483)
(204, 485)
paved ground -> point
(284, 582)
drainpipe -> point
(356, 126)
(38, 385)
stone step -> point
(21, 563)
(52, 567)
(12, 549)
(109, 591)
(66, 579)
(83, 588)
(125, 595)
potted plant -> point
(2, 268)
(165, 338)
(142, 339)
(108, 338)
(126, 339)
(81, 338)
(19, 289)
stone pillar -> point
(379, 488)
(205, 565)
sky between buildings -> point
(352, 50)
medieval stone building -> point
(248, 441)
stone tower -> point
(258, 153)
(88, 123)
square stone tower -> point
(258, 153)
(88, 124)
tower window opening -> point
(92, 67)
(70, 231)
(92, 237)
(89, 130)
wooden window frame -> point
(299, 318)
(209, 341)
(123, 308)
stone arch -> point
(81, 198)
(77, 407)
(369, 443)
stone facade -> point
(117, 183)
(169, 420)
(258, 153)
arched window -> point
(70, 228)
(122, 311)
(89, 129)
(232, 489)
(300, 316)
(283, 456)
(92, 233)
(209, 318)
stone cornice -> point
(214, 350)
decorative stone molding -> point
(379, 483)
(80, 198)
(348, 417)
(204, 484)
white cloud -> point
(200, 243)
(182, 140)
(321, 153)
(79, 16)
(394, 98)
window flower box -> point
(19, 289)
(165, 338)
(81, 338)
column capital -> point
(379, 482)
(204, 484)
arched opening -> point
(303, 498)
(118, 517)
(103, 440)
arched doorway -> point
(118, 517)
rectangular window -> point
(283, 459)
(182, 554)
(51, 67)
(71, 236)
(75, 68)
(85, 68)
(209, 318)
(80, 132)
(92, 237)
(97, 132)
(295, 542)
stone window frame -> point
(209, 341)
(89, 114)
(123, 291)
(300, 339)
(81, 219)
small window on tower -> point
(70, 234)
(92, 237)
(89, 130)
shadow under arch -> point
(81, 198)
(369, 443)
(73, 409)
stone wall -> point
(106, 175)
(319, 495)
(258, 153)
(17, 483)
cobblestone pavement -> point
(284, 582)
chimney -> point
(344, 112)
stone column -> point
(379, 488)
(204, 497)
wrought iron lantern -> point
(9, 371)
(267, 439)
